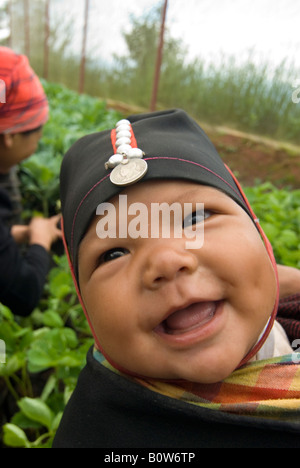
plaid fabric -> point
(23, 103)
(268, 389)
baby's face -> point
(162, 310)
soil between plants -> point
(256, 160)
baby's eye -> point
(196, 217)
(112, 254)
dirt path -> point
(254, 158)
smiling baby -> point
(174, 273)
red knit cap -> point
(23, 103)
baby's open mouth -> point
(187, 319)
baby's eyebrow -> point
(188, 194)
(199, 192)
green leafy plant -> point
(279, 213)
(44, 355)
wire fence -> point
(104, 48)
(26, 12)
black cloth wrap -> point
(180, 150)
(107, 410)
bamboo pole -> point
(10, 15)
(26, 28)
(83, 52)
(159, 58)
(46, 39)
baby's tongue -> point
(195, 314)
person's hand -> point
(44, 231)
(289, 280)
(20, 233)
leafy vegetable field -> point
(45, 352)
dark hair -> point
(29, 132)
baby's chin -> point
(211, 376)
(214, 370)
(208, 373)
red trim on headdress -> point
(113, 137)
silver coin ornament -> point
(129, 173)
(128, 164)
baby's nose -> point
(165, 263)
